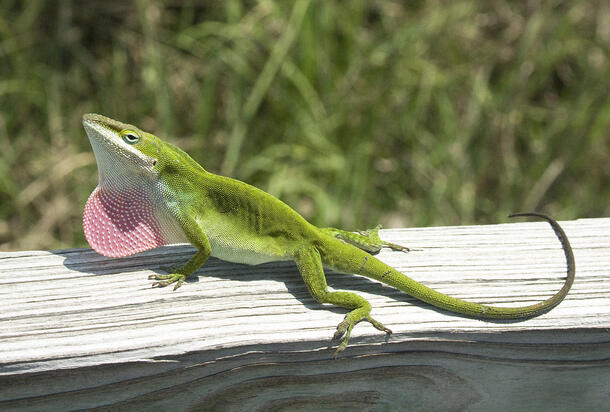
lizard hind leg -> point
(367, 240)
(310, 266)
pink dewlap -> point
(121, 222)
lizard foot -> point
(165, 280)
(344, 329)
(396, 247)
(367, 240)
(373, 235)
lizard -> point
(151, 193)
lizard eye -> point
(130, 137)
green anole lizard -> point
(151, 193)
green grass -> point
(354, 112)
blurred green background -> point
(407, 113)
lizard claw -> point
(346, 326)
(165, 280)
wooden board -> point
(78, 330)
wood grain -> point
(78, 330)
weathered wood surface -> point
(78, 330)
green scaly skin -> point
(234, 221)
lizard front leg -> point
(178, 276)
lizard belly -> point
(240, 252)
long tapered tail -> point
(353, 260)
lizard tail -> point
(349, 259)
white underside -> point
(222, 250)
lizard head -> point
(122, 215)
(121, 149)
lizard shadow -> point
(89, 262)
(354, 283)
(287, 273)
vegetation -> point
(353, 112)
